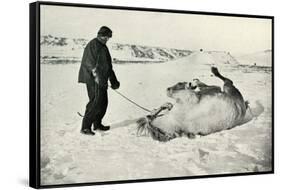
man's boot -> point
(87, 132)
(99, 126)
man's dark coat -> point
(96, 57)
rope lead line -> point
(132, 101)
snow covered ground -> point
(119, 154)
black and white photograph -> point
(146, 94)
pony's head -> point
(183, 92)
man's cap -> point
(105, 31)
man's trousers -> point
(96, 107)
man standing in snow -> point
(95, 71)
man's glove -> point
(115, 85)
(94, 73)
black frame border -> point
(34, 92)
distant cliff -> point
(64, 50)
(61, 50)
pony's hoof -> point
(215, 71)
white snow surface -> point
(119, 154)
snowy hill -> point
(212, 57)
(262, 58)
(56, 50)
(65, 50)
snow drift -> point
(212, 57)
(69, 157)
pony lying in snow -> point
(200, 109)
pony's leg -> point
(215, 71)
(228, 86)
(232, 91)
(204, 87)
(197, 82)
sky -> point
(173, 30)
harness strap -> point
(143, 108)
